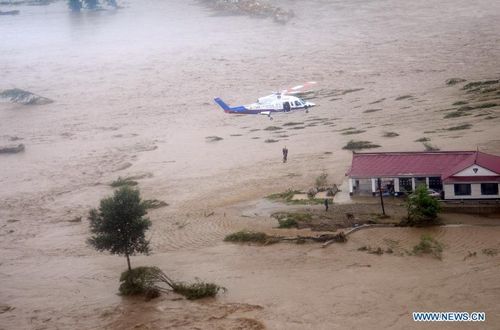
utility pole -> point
(380, 192)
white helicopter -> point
(283, 101)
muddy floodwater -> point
(133, 91)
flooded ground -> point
(133, 93)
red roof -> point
(487, 161)
(387, 164)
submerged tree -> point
(77, 5)
(119, 225)
(421, 206)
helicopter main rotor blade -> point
(299, 88)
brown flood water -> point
(133, 95)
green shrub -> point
(213, 138)
(147, 281)
(358, 145)
(247, 236)
(490, 252)
(357, 131)
(321, 180)
(197, 290)
(390, 134)
(428, 245)
(486, 105)
(456, 114)
(120, 182)
(287, 223)
(430, 147)
(291, 219)
(459, 127)
(138, 281)
(272, 128)
(286, 196)
(421, 207)
(154, 204)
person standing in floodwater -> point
(326, 204)
(285, 154)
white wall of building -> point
(475, 170)
(449, 192)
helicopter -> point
(283, 101)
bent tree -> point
(119, 225)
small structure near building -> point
(453, 174)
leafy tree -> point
(91, 4)
(119, 225)
(75, 5)
(421, 206)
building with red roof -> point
(454, 174)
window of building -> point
(405, 184)
(297, 103)
(489, 188)
(462, 189)
(435, 183)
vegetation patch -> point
(290, 219)
(321, 180)
(422, 209)
(236, 135)
(213, 138)
(378, 250)
(346, 129)
(371, 110)
(456, 114)
(460, 103)
(120, 182)
(390, 134)
(358, 131)
(245, 236)
(476, 84)
(490, 252)
(404, 97)
(428, 245)
(486, 105)
(154, 204)
(287, 195)
(291, 123)
(454, 81)
(358, 145)
(459, 127)
(298, 127)
(150, 281)
(377, 101)
(422, 139)
(430, 147)
(197, 290)
(271, 141)
(272, 128)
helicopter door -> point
(286, 106)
